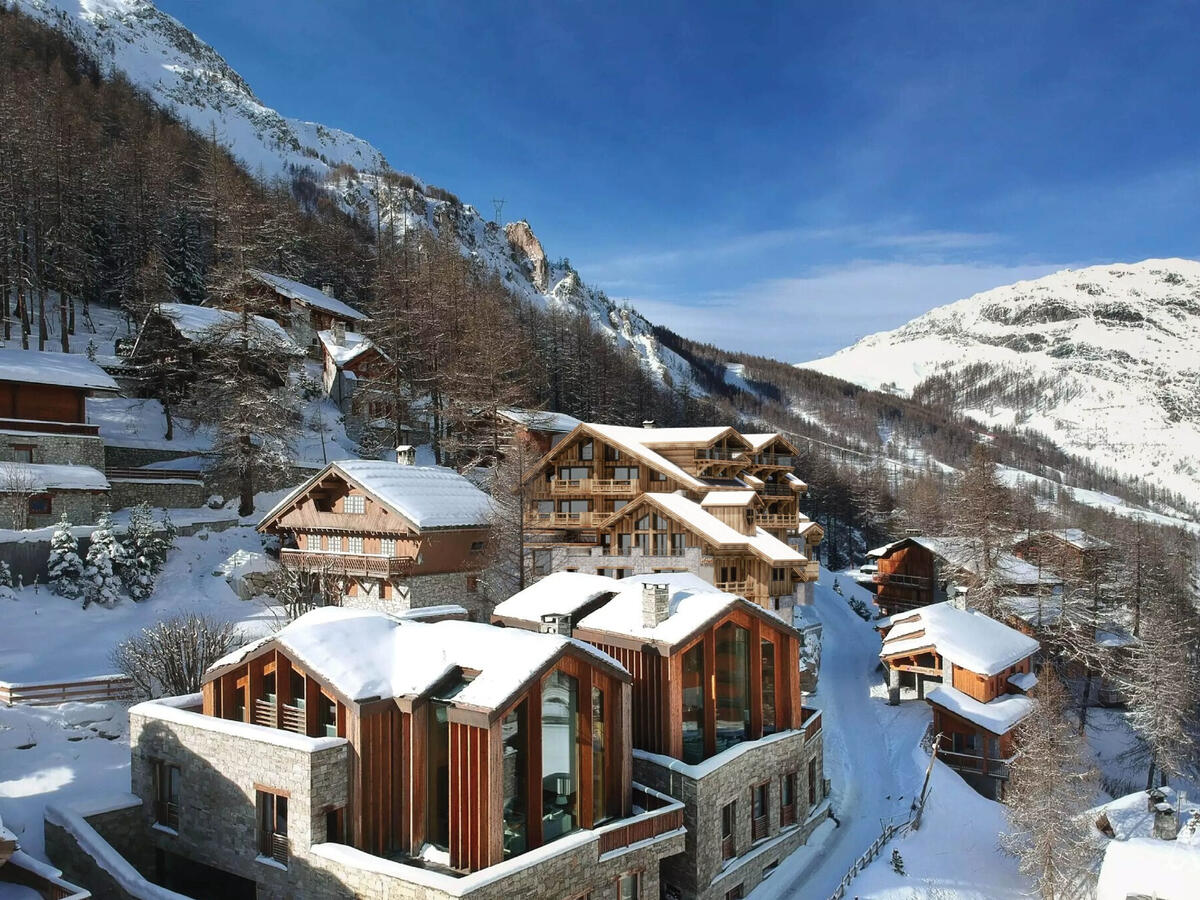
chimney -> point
(327, 290)
(647, 423)
(553, 623)
(339, 333)
(1166, 822)
(406, 455)
(656, 604)
(1154, 797)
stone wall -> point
(68, 449)
(136, 457)
(81, 507)
(423, 591)
(701, 874)
(167, 493)
(123, 830)
(636, 563)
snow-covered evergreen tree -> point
(141, 562)
(64, 566)
(105, 559)
(163, 541)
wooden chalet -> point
(984, 669)
(303, 310)
(1070, 552)
(484, 743)
(379, 527)
(349, 358)
(920, 571)
(540, 429)
(46, 393)
(710, 669)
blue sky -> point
(769, 177)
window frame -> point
(164, 816)
(729, 830)
(760, 823)
(35, 503)
(268, 811)
(636, 875)
(354, 505)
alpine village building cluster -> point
(631, 725)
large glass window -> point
(693, 704)
(587, 450)
(515, 734)
(437, 817)
(272, 826)
(768, 687)
(326, 715)
(560, 756)
(599, 757)
(625, 473)
(733, 685)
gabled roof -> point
(626, 439)
(693, 516)
(693, 605)
(43, 367)
(731, 498)
(427, 496)
(701, 436)
(966, 638)
(998, 716)
(306, 294)
(961, 553)
(196, 323)
(539, 420)
(351, 348)
(365, 655)
(1077, 538)
(760, 441)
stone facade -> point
(701, 873)
(423, 591)
(64, 449)
(81, 507)
(135, 457)
(170, 493)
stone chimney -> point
(1154, 797)
(327, 290)
(656, 604)
(406, 455)
(554, 623)
(339, 333)
(647, 423)
(1166, 822)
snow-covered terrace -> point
(997, 717)
(966, 638)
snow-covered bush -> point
(6, 583)
(64, 565)
(170, 657)
(105, 559)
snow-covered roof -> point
(427, 496)
(1080, 539)
(998, 716)
(795, 481)
(1023, 681)
(198, 322)
(39, 477)
(762, 543)
(966, 638)
(366, 655)
(352, 346)
(306, 294)
(728, 498)
(631, 440)
(558, 594)
(962, 553)
(540, 420)
(1039, 611)
(43, 367)
(1138, 864)
(701, 434)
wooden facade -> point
(906, 579)
(425, 770)
(43, 403)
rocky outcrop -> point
(525, 243)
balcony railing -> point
(34, 426)
(265, 714)
(623, 487)
(356, 564)
(776, 490)
(775, 520)
(638, 551)
(293, 719)
(563, 519)
(811, 723)
(775, 459)
(896, 579)
(571, 486)
(974, 762)
(718, 454)
(662, 815)
(734, 587)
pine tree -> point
(64, 566)
(898, 863)
(105, 559)
(141, 563)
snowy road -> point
(868, 754)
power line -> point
(499, 207)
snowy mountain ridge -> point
(186, 76)
(1102, 360)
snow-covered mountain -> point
(185, 75)
(1105, 361)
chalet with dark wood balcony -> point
(353, 753)
(718, 719)
(580, 498)
(983, 670)
(386, 535)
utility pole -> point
(498, 205)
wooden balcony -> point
(776, 490)
(661, 816)
(775, 520)
(742, 588)
(973, 762)
(571, 486)
(357, 565)
(716, 453)
(897, 579)
(775, 459)
(811, 570)
(35, 426)
(562, 519)
(614, 487)
(811, 723)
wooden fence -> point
(50, 693)
(889, 831)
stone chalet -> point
(348, 357)
(984, 671)
(356, 754)
(391, 536)
(718, 720)
(1151, 844)
(303, 310)
(51, 457)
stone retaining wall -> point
(166, 493)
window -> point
(733, 685)
(272, 826)
(587, 450)
(778, 574)
(387, 547)
(514, 734)
(965, 743)
(355, 545)
(326, 716)
(476, 546)
(693, 704)
(22, 453)
(573, 473)
(619, 505)
(625, 473)
(312, 543)
(335, 826)
(629, 886)
(39, 505)
(166, 795)
(560, 755)
(812, 782)
(787, 799)
(655, 475)
(734, 893)
(612, 453)
(758, 812)
(355, 503)
(599, 740)
(768, 687)
(678, 543)
(728, 829)
(335, 543)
